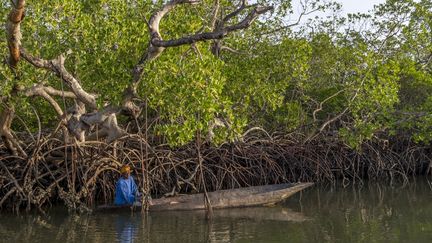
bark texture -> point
(13, 31)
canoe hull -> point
(233, 198)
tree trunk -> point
(6, 117)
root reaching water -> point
(81, 174)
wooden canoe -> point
(232, 198)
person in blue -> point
(126, 192)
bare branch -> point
(243, 4)
(215, 15)
(153, 25)
(157, 45)
(40, 90)
(13, 31)
(55, 92)
(152, 52)
(226, 48)
(324, 101)
(157, 17)
(217, 46)
(108, 119)
(57, 67)
(98, 117)
(79, 122)
(218, 34)
(304, 13)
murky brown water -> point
(372, 213)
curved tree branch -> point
(152, 52)
(243, 4)
(78, 121)
(39, 90)
(57, 67)
(157, 45)
(218, 34)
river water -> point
(371, 213)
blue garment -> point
(126, 191)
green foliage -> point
(261, 82)
(369, 81)
(188, 95)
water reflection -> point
(371, 212)
(227, 225)
(359, 214)
(190, 226)
(126, 228)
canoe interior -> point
(240, 197)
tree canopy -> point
(216, 68)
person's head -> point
(125, 171)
